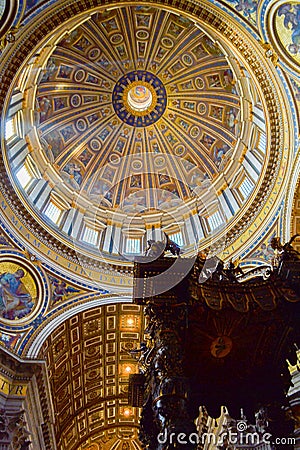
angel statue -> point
(285, 251)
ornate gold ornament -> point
(137, 95)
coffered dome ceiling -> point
(134, 120)
(134, 81)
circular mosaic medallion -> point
(79, 75)
(139, 98)
(179, 150)
(116, 38)
(187, 60)
(94, 53)
(81, 125)
(159, 161)
(199, 83)
(201, 108)
(75, 100)
(21, 289)
(114, 159)
(195, 131)
(95, 144)
(137, 165)
(166, 42)
(142, 34)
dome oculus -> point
(139, 98)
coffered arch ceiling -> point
(135, 119)
(89, 363)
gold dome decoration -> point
(139, 98)
(78, 145)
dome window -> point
(9, 129)
(90, 236)
(133, 246)
(177, 238)
(246, 187)
(24, 177)
(53, 212)
(215, 220)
